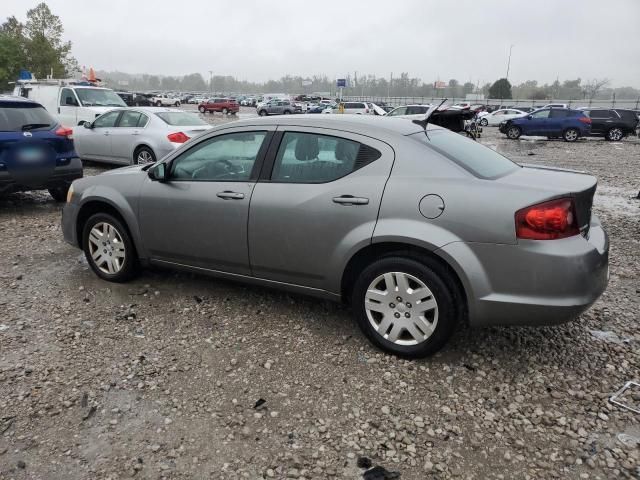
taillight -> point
(366, 110)
(585, 120)
(65, 132)
(547, 221)
(177, 137)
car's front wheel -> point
(202, 110)
(484, 122)
(262, 113)
(571, 135)
(405, 306)
(615, 134)
(225, 111)
(514, 132)
(108, 248)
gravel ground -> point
(182, 376)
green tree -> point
(12, 52)
(500, 89)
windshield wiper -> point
(31, 126)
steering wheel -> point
(223, 168)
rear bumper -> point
(533, 282)
(61, 176)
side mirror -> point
(529, 117)
(88, 125)
(158, 172)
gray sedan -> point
(136, 135)
(416, 229)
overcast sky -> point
(260, 39)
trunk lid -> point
(553, 182)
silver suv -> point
(415, 229)
(276, 107)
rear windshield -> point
(22, 117)
(181, 119)
(481, 161)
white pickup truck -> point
(163, 100)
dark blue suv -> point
(36, 152)
(551, 123)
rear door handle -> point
(135, 132)
(230, 195)
(350, 200)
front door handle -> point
(226, 195)
(350, 200)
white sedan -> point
(494, 118)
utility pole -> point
(509, 61)
(389, 86)
(211, 81)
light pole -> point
(509, 61)
(211, 81)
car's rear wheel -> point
(262, 113)
(177, 104)
(202, 109)
(405, 306)
(615, 134)
(143, 155)
(225, 111)
(571, 135)
(514, 132)
(158, 104)
(286, 112)
(108, 248)
(59, 194)
(484, 122)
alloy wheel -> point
(106, 248)
(513, 133)
(144, 156)
(401, 308)
(615, 134)
(571, 135)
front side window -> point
(226, 158)
(416, 110)
(481, 161)
(107, 120)
(541, 114)
(312, 158)
(398, 111)
(67, 98)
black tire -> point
(202, 110)
(571, 135)
(59, 194)
(513, 132)
(615, 134)
(129, 267)
(158, 104)
(225, 111)
(262, 113)
(287, 112)
(436, 278)
(484, 122)
(140, 152)
(177, 104)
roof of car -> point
(15, 98)
(366, 124)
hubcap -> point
(615, 134)
(571, 135)
(106, 248)
(401, 308)
(513, 132)
(145, 157)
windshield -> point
(181, 119)
(97, 97)
(481, 161)
(23, 117)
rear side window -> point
(312, 158)
(599, 114)
(129, 119)
(560, 113)
(16, 117)
(481, 161)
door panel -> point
(301, 232)
(199, 218)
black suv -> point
(612, 124)
(36, 152)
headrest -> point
(307, 148)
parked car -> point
(276, 107)
(136, 135)
(165, 100)
(409, 111)
(317, 108)
(611, 124)
(494, 118)
(357, 108)
(556, 105)
(222, 105)
(549, 122)
(127, 97)
(36, 152)
(143, 99)
(355, 209)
